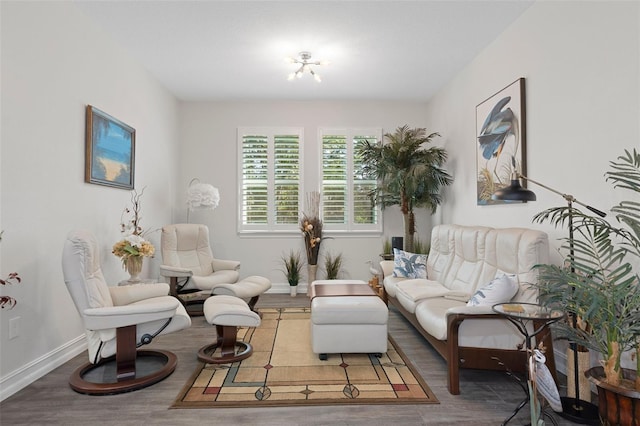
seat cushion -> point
(230, 311)
(410, 292)
(249, 287)
(348, 310)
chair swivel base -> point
(229, 353)
(101, 378)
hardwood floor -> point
(486, 398)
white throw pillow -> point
(499, 290)
(409, 265)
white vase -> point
(294, 290)
(133, 265)
(312, 270)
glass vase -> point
(133, 265)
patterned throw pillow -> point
(409, 265)
(499, 290)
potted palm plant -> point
(409, 174)
(600, 286)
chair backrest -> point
(186, 245)
(83, 273)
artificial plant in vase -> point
(311, 227)
(600, 282)
(292, 269)
(333, 265)
(409, 174)
(133, 247)
(387, 249)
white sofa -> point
(461, 260)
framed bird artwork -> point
(500, 140)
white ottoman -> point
(227, 313)
(348, 323)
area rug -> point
(283, 371)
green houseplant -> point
(600, 286)
(333, 265)
(409, 174)
(387, 249)
(292, 269)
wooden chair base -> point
(227, 343)
(205, 354)
(115, 382)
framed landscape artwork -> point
(110, 150)
(500, 140)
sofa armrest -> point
(175, 271)
(122, 316)
(387, 268)
(221, 264)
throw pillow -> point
(499, 290)
(409, 265)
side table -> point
(141, 281)
(521, 315)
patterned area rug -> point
(283, 371)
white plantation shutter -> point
(346, 201)
(270, 171)
(364, 212)
(255, 179)
(334, 179)
(287, 178)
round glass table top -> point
(527, 311)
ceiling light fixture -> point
(305, 65)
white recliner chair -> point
(189, 264)
(118, 320)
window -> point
(270, 164)
(346, 201)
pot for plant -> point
(616, 405)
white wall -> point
(581, 64)
(208, 144)
(54, 62)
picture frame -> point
(500, 141)
(110, 150)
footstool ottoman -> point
(227, 313)
(347, 317)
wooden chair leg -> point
(227, 343)
(126, 353)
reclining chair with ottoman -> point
(194, 274)
(117, 321)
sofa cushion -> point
(499, 290)
(409, 265)
(410, 292)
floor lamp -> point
(573, 408)
(201, 196)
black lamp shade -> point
(514, 192)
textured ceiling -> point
(378, 50)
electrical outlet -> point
(14, 327)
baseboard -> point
(29, 373)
